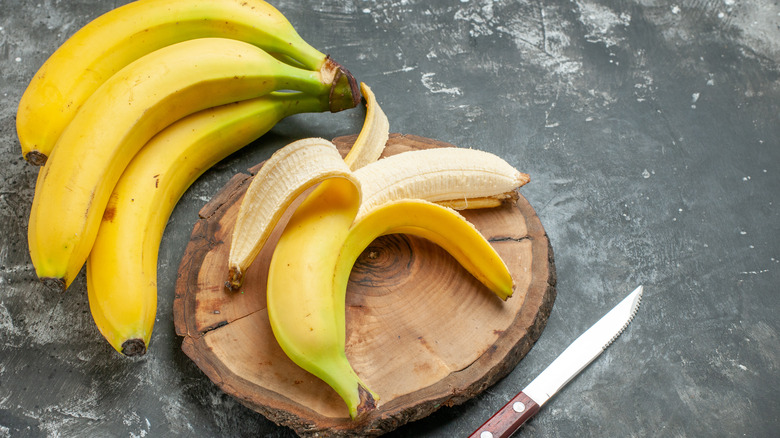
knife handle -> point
(508, 419)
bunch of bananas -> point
(129, 111)
(353, 201)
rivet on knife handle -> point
(508, 419)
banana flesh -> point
(119, 37)
(440, 174)
(121, 116)
(122, 266)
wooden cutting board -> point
(421, 332)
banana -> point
(122, 266)
(117, 38)
(358, 199)
(122, 115)
(453, 175)
(289, 172)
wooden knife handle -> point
(508, 419)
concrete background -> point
(649, 127)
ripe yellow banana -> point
(357, 200)
(121, 116)
(115, 39)
(122, 266)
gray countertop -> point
(650, 129)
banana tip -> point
(235, 278)
(35, 158)
(367, 402)
(54, 283)
(134, 347)
(345, 91)
(523, 178)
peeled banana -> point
(119, 37)
(122, 266)
(311, 263)
(132, 106)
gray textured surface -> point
(649, 127)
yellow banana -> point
(359, 200)
(122, 266)
(115, 39)
(121, 116)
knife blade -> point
(587, 347)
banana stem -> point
(345, 91)
(342, 378)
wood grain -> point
(421, 331)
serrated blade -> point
(584, 349)
(587, 347)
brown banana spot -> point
(36, 158)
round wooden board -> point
(421, 332)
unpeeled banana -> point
(117, 38)
(122, 115)
(122, 265)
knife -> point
(565, 367)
